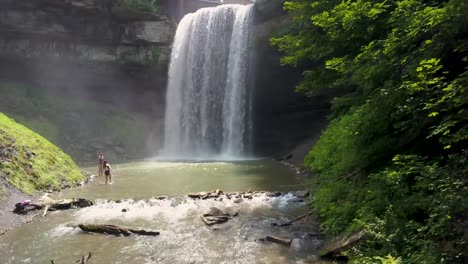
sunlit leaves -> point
(405, 64)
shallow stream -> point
(184, 237)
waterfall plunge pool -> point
(184, 237)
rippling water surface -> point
(184, 237)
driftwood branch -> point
(279, 240)
(48, 204)
(295, 219)
(46, 208)
(116, 230)
(83, 259)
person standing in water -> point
(108, 172)
(100, 164)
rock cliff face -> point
(284, 119)
(87, 50)
(82, 31)
(90, 75)
(99, 47)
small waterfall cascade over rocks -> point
(208, 105)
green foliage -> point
(392, 160)
(155, 54)
(138, 5)
(30, 162)
(158, 56)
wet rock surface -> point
(302, 194)
(218, 216)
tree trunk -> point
(116, 230)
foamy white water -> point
(184, 237)
(208, 104)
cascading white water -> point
(208, 104)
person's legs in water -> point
(100, 170)
(108, 174)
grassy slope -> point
(30, 162)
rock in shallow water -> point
(213, 220)
(218, 216)
(302, 194)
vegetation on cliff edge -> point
(138, 5)
(30, 162)
(393, 158)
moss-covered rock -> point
(30, 162)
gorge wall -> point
(88, 75)
(287, 123)
(91, 75)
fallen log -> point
(48, 204)
(116, 230)
(294, 220)
(334, 247)
(279, 240)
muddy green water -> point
(184, 237)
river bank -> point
(8, 219)
(11, 196)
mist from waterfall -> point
(208, 105)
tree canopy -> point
(392, 160)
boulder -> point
(213, 220)
(302, 194)
(194, 195)
(232, 211)
(217, 216)
(215, 211)
(247, 196)
(84, 203)
(237, 200)
(200, 195)
(273, 194)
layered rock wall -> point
(78, 52)
(88, 50)
(284, 119)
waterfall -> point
(207, 102)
